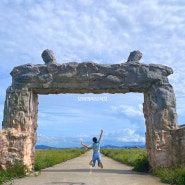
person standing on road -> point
(96, 151)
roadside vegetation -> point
(43, 159)
(47, 158)
(175, 176)
(138, 159)
(133, 157)
(18, 170)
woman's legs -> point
(100, 164)
(97, 156)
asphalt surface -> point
(78, 172)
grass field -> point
(47, 158)
(132, 157)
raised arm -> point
(101, 134)
(86, 146)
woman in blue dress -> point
(96, 151)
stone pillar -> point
(4, 142)
(19, 126)
(160, 115)
(178, 145)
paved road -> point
(78, 172)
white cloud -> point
(125, 135)
(89, 33)
(127, 110)
(63, 141)
(49, 141)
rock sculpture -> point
(164, 139)
(134, 56)
(48, 57)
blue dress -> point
(96, 153)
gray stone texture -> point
(134, 56)
(164, 139)
(48, 57)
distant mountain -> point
(127, 145)
(43, 147)
(110, 146)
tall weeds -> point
(171, 175)
(13, 171)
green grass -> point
(47, 158)
(132, 157)
(138, 159)
(174, 175)
(43, 159)
(18, 170)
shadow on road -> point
(95, 171)
(69, 183)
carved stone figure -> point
(48, 57)
(134, 56)
(164, 139)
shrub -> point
(171, 175)
(141, 164)
(12, 171)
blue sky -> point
(105, 32)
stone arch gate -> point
(164, 139)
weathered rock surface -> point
(18, 137)
(134, 56)
(48, 57)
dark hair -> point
(94, 139)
